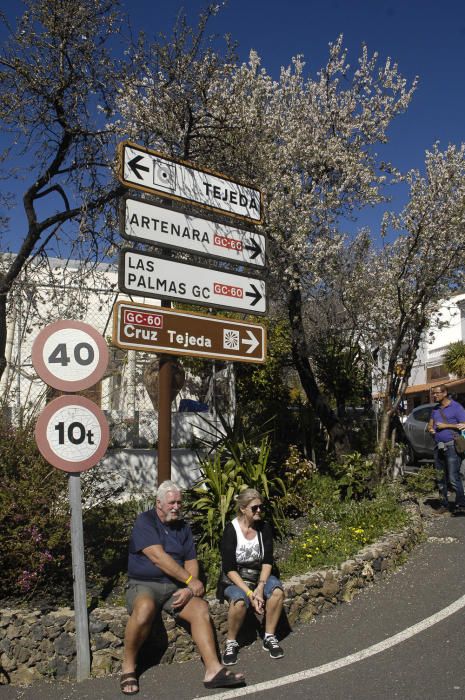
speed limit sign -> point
(72, 433)
(70, 355)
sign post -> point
(72, 434)
(163, 278)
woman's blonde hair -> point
(244, 497)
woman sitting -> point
(247, 558)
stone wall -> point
(36, 644)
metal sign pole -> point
(79, 579)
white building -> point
(58, 289)
(429, 370)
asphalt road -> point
(424, 663)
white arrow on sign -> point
(142, 221)
(151, 276)
(251, 341)
(157, 173)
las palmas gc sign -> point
(149, 275)
(155, 173)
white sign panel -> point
(70, 355)
(151, 276)
(157, 173)
(147, 223)
(72, 433)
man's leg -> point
(453, 468)
(441, 476)
(195, 612)
(137, 630)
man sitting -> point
(163, 573)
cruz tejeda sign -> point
(154, 329)
(156, 173)
(146, 223)
(151, 276)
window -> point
(423, 414)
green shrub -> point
(297, 474)
(353, 524)
(211, 502)
(34, 519)
(422, 483)
(355, 475)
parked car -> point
(420, 443)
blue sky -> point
(425, 37)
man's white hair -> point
(165, 487)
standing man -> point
(164, 573)
(447, 420)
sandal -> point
(127, 679)
(225, 679)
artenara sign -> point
(144, 222)
(151, 276)
(153, 172)
(153, 329)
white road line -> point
(344, 661)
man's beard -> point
(172, 517)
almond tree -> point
(57, 88)
(307, 143)
(406, 280)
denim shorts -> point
(234, 593)
(160, 593)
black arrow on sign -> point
(256, 295)
(133, 164)
(254, 247)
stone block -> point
(8, 663)
(25, 676)
(65, 645)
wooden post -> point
(79, 579)
(164, 419)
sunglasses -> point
(256, 508)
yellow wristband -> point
(249, 593)
(188, 580)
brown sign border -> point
(186, 351)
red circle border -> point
(41, 430)
(65, 384)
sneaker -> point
(230, 653)
(271, 644)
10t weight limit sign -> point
(72, 433)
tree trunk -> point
(324, 412)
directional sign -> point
(153, 329)
(151, 276)
(70, 355)
(141, 221)
(157, 173)
(72, 433)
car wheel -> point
(411, 457)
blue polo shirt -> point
(453, 413)
(175, 538)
